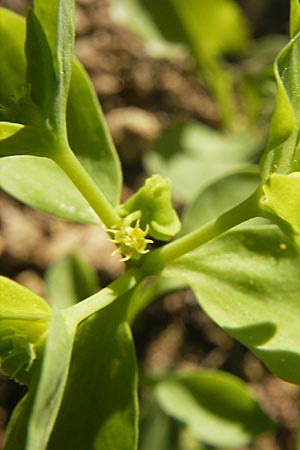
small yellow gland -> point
(130, 239)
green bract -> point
(280, 201)
(153, 201)
(24, 322)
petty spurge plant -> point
(79, 362)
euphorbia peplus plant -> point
(79, 362)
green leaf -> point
(280, 203)
(43, 402)
(70, 280)
(99, 405)
(34, 417)
(40, 73)
(24, 320)
(153, 200)
(24, 140)
(217, 407)
(193, 155)
(89, 136)
(248, 283)
(294, 17)
(51, 385)
(282, 154)
(281, 160)
(57, 20)
(13, 66)
(87, 131)
(41, 184)
(218, 197)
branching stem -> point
(82, 310)
(235, 216)
(66, 159)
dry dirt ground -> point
(140, 96)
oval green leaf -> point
(248, 283)
(38, 182)
(217, 407)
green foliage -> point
(104, 344)
(217, 408)
(248, 282)
(191, 22)
(24, 322)
(13, 65)
(282, 153)
(193, 155)
(280, 203)
(57, 21)
(46, 181)
(87, 134)
(41, 76)
(57, 155)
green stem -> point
(82, 310)
(235, 216)
(66, 159)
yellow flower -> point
(130, 239)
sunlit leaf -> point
(282, 153)
(105, 397)
(41, 184)
(13, 66)
(248, 283)
(71, 351)
(87, 133)
(57, 20)
(40, 73)
(280, 202)
(89, 136)
(23, 140)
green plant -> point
(57, 156)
